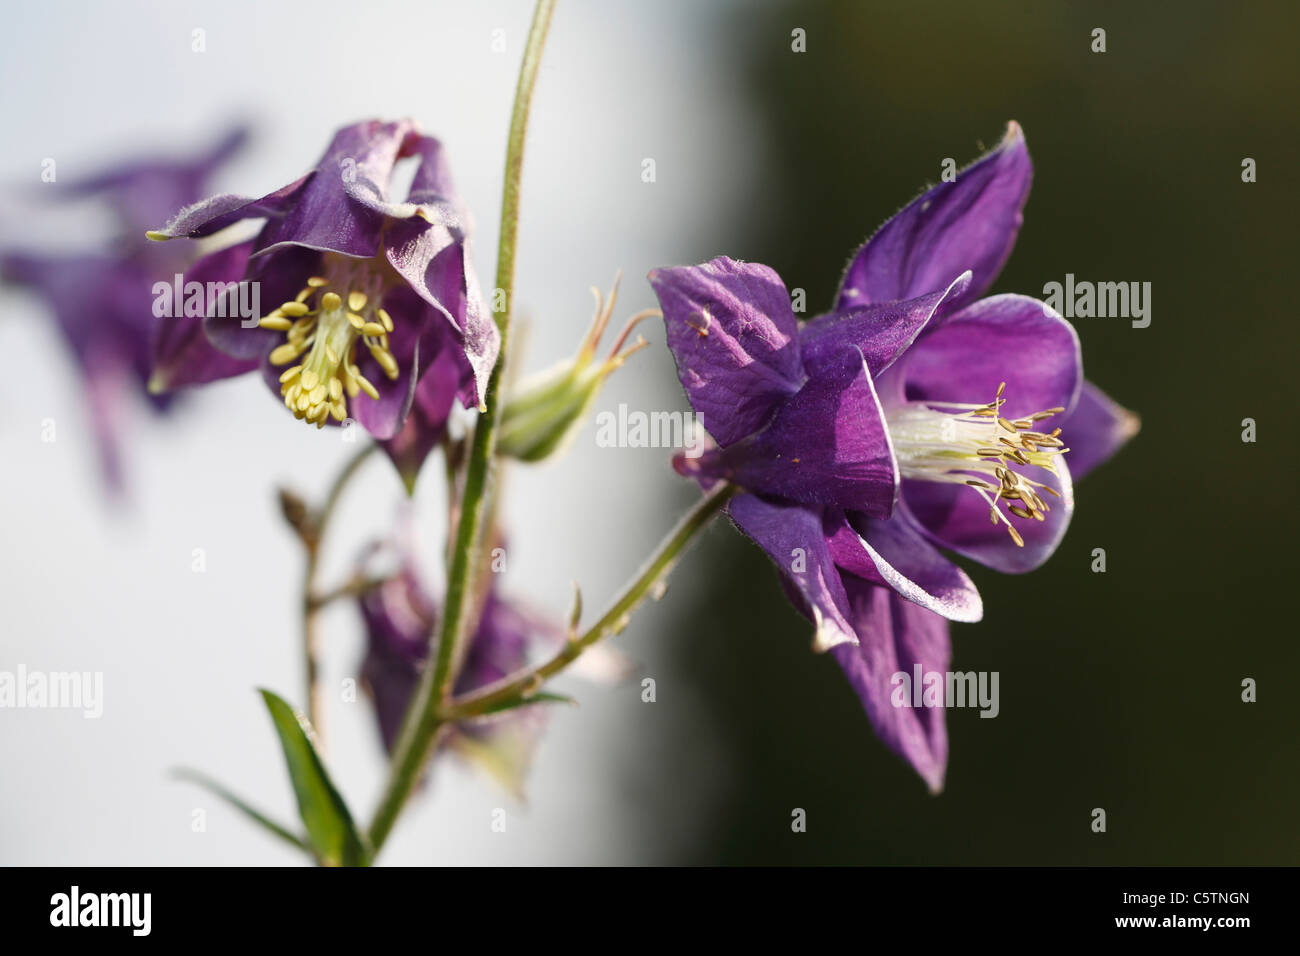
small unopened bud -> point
(544, 415)
(296, 513)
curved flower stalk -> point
(914, 417)
(374, 295)
(102, 302)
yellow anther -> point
(322, 329)
(366, 386)
(386, 361)
(284, 354)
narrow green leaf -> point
(329, 824)
(543, 698)
(207, 783)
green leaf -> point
(207, 783)
(329, 825)
(543, 698)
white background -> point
(91, 585)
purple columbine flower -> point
(399, 616)
(103, 301)
(375, 293)
(915, 416)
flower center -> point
(326, 321)
(975, 446)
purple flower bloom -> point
(915, 416)
(375, 293)
(399, 616)
(103, 302)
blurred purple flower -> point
(399, 616)
(904, 421)
(103, 303)
(378, 296)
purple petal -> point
(432, 195)
(897, 636)
(437, 264)
(1004, 338)
(970, 224)
(894, 554)
(792, 537)
(882, 331)
(398, 617)
(340, 209)
(411, 339)
(277, 278)
(105, 400)
(103, 308)
(828, 445)
(427, 421)
(432, 182)
(500, 645)
(182, 353)
(954, 517)
(1095, 430)
(217, 212)
(734, 338)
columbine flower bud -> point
(544, 415)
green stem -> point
(310, 604)
(519, 687)
(420, 727)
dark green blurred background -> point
(1127, 694)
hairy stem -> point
(420, 727)
(519, 687)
